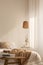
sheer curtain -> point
(33, 6)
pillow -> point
(4, 45)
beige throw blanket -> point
(31, 56)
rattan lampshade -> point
(25, 24)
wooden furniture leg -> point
(6, 62)
(20, 62)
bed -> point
(31, 55)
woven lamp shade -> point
(25, 24)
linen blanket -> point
(31, 56)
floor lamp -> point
(26, 26)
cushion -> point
(4, 45)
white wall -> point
(40, 28)
(12, 15)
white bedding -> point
(35, 57)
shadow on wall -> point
(11, 12)
(15, 36)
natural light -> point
(31, 21)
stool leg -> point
(20, 62)
(6, 62)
